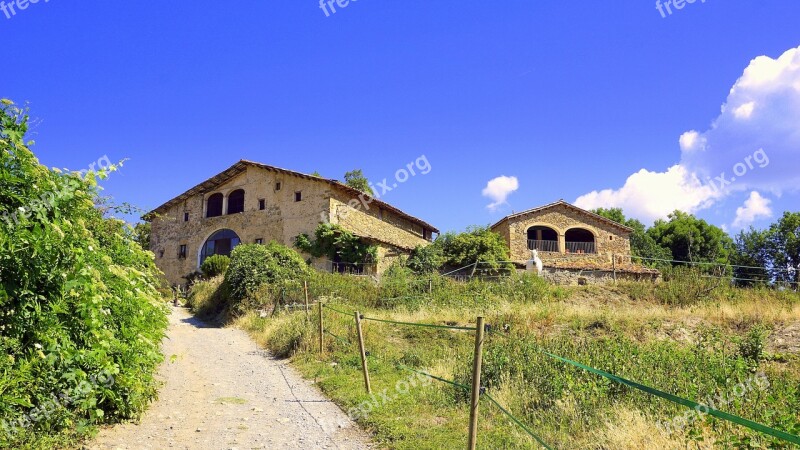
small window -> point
(611, 238)
(298, 196)
(185, 217)
(262, 204)
(182, 251)
(278, 186)
(259, 241)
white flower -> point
(38, 346)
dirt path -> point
(222, 392)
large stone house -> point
(561, 229)
(256, 203)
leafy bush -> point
(426, 259)
(81, 318)
(337, 244)
(253, 266)
(215, 265)
(477, 244)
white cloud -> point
(498, 190)
(744, 111)
(755, 207)
(762, 111)
(652, 195)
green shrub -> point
(337, 244)
(215, 265)
(208, 298)
(254, 266)
(81, 319)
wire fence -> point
(482, 328)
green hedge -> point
(80, 317)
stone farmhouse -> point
(561, 229)
(576, 246)
(257, 203)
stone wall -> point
(609, 239)
(281, 221)
(577, 277)
(376, 223)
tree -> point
(426, 259)
(356, 180)
(751, 257)
(783, 247)
(691, 239)
(476, 244)
(141, 234)
(642, 244)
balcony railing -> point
(543, 246)
(581, 247)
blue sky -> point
(570, 99)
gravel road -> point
(221, 391)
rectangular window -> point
(298, 196)
(278, 186)
(262, 204)
(259, 241)
(182, 251)
(185, 217)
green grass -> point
(692, 347)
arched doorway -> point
(544, 239)
(221, 242)
(579, 240)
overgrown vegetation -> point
(456, 250)
(688, 335)
(81, 319)
(337, 244)
(215, 265)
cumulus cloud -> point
(652, 195)
(755, 207)
(754, 144)
(498, 190)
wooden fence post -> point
(363, 353)
(430, 286)
(614, 266)
(305, 292)
(321, 330)
(476, 385)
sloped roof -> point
(568, 206)
(241, 167)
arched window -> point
(236, 201)
(579, 240)
(220, 243)
(544, 239)
(214, 206)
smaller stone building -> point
(560, 230)
(257, 203)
